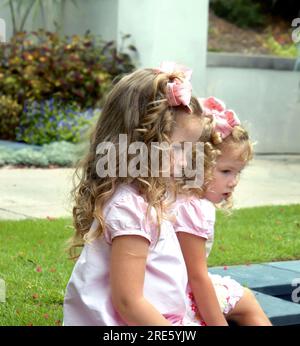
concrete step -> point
(280, 312)
(275, 284)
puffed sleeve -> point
(127, 216)
(195, 216)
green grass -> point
(254, 235)
(36, 268)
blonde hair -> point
(215, 146)
(136, 106)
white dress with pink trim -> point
(197, 216)
(88, 294)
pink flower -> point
(213, 103)
(38, 269)
(179, 92)
(194, 307)
(232, 118)
(225, 119)
(191, 296)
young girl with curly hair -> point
(131, 269)
(214, 300)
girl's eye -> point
(225, 171)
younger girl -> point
(228, 149)
(131, 270)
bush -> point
(9, 116)
(62, 154)
(285, 51)
(285, 9)
(53, 120)
(243, 13)
(41, 65)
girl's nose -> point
(233, 182)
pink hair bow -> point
(178, 92)
(225, 119)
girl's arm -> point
(193, 249)
(127, 273)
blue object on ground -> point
(273, 283)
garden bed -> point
(273, 39)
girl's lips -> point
(227, 195)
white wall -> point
(5, 15)
(2, 30)
(99, 16)
(267, 102)
(168, 30)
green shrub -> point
(9, 116)
(283, 50)
(243, 13)
(40, 65)
(62, 154)
(53, 120)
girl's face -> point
(225, 176)
(188, 129)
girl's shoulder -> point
(193, 204)
(127, 195)
(125, 213)
(194, 215)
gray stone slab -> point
(286, 265)
(261, 277)
(269, 282)
(279, 311)
(250, 61)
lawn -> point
(36, 268)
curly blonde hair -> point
(136, 106)
(215, 146)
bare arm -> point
(127, 273)
(193, 249)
